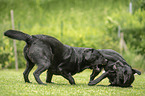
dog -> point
(50, 54)
(117, 70)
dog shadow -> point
(80, 84)
(113, 86)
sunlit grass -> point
(12, 84)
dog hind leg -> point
(29, 67)
(41, 68)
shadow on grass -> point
(113, 86)
(80, 84)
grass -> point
(12, 84)
(84, 25)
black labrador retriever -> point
(58, 59)
(117, 70)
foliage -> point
(133, 26)
(6, 54)
(78, 23)
(135, 60)
(12, 84)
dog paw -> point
(91, 83)
(28, 82)
(43, 84)
(50, 82)
(73, 83)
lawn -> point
(12, 84)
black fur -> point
(117, 70)
(59, 59)
(18, 35)
(51, 55)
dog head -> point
(124, 75)
(94, 58)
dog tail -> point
(18, 35)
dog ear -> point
(136, 71)
(125, 78)
(87, 54)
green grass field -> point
(12, 84)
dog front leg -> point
(49, 76)
(94, 82)
(67, 76)
(95, 73)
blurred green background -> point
(79, 23)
